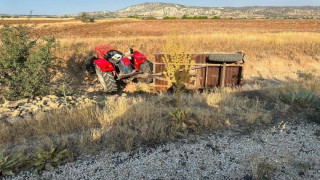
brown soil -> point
(128, 27)
(32, 21)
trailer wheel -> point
(146, 67)
(107, 80)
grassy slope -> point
(124, 123)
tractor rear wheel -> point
(107, 80)
(146, 67)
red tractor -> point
(113, 67)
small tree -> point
(24, 62)
(85, 17)
(178, 64)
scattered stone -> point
(87, 100)
(40, 103)
(22, 102)
(4, 110)
(16, 113)
(29, 107)
(90, 90)
(14, 119)
(52, 97)
(14, 104)
(34, 108)
(25, 113)
(52, 104)
(69, 98)
(72, 102)
(45, 99)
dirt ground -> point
(132, 27)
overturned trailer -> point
(210, 70)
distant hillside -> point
(160, 10)
(175, 10)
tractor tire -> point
(107, 80)
(146, 67)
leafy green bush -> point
(41, 160)
(10, 163)
(179, 115)
(194, 17)
(168, 17)
(24, 62)
(300, 95)
(85, 17)
(178, 64)
(48, 159)
(134, 17)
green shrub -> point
(194, 17)
(85, 17)
(134, 17)
(179, 115)
(168, 17)
(10, 163)
(48, 159)
(301, 98)
(41, 160)
(178, 64)
(24, 62)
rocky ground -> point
(290, 151)
(13, 111)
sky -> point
(61, 7)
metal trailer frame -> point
(207, 73)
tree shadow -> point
(76, 69)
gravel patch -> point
(225, 154)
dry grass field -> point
(274, 48)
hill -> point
(161, 10)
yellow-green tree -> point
(178, 64)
